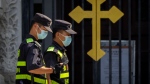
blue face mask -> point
(67, 40)
(42, 35)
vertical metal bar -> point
(43, 11)
(82, 46)
(95, 72)
(110, 51)
(129, 37)
(54, 9)
(149, 39)
(62, 9)
(99, 67)
(139, 41)
(110, 56)
(72, 80)
(25, 17)
(53, 13)
(99, 73)
(120, 46)
(31, 9)
(43, 6)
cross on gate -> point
(78, 14)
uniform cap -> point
(63, 25)
(44, 20)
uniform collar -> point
(58, 46)
(30, 36)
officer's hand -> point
(57, 68)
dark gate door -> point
(133, 27)
(130, 34)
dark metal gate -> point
(134, 25)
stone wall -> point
(10, 38)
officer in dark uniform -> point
(55, 55)
(30, 59)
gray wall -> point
(10, 38)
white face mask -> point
(42, 35)
(67, 40)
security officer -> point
(30, 65)
(55, 55)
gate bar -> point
(72, 56)
(110, 50)
(83, 46)
(129, 38)
(31, 10)
(120, 46)
(149, 40)
(62, 6)
(54, 10)
(25, 17)
(139, 41)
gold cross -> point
(78, 14)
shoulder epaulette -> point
(29, 40)
(53, 49)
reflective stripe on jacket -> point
(64, 75)
(21, 72)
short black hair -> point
(55, 30)
(33, 22)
